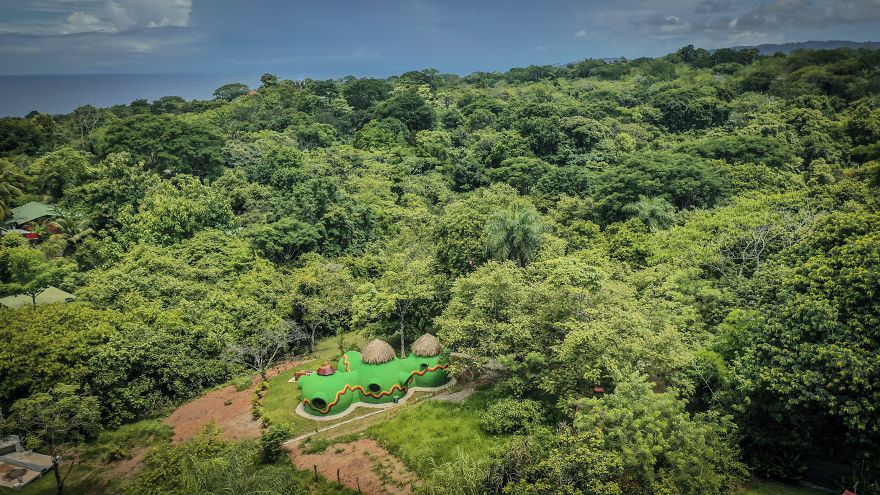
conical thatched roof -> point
(427, 346)
(377, 352)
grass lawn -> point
(279, 404)
(429, 433)
(763, 487)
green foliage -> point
(410, 108)
(49, 344)
(661, 446)
(271, 440)
(12, 181)
(818, 306)
(706, 219)
(54, 172)
(514, 234)
(682, 180)
(511, 416)
(176, 210)
(29, 272)
(430, 435)
(166, 143)
(55, 422)
(364, 93)
(229, 92)
(207, 464)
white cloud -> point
(83, 22)
(87, 16)
(581, 33)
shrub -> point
(511, 416)
(242, 383)
(271, 440)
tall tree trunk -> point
(402, 341)
(314, 330)
(59, 481)
(34, 302)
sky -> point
(334, 38)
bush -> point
(511, 416)
(242, 383)
(271, 440)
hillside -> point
(772, 48)
(669, 265)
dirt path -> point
(361, 464)
(126, 468)
(230, 409)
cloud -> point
(713, 7)
(86, 16)
(807, 13)
(95, 50)
(581, 33)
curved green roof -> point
(356, 381)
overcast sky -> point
(365, 37)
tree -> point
(514, 233)
(269, 80)
(663, 448)
(406, 283)
(322, 294)
(12, 180)
(51, 345)
(361, 94)
(87, 118)
(656, 213)
(167, 143)
(260, 351)
(806, 362)
(175, 210)
(682, 180)
(237, 472)
(20, 136)
(27, 271)
(57, 420)
(58, 170)
(231, 91)
(409, 107)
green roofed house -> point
(373, 376)
(29, 212)
(48, 296)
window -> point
(374, 387)
(319, 403)
(424, 366)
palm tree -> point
(514, 234)
(656, 213)
(11, 182)
(236, 472)
(73, 225)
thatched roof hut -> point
(427, 346)
(377, 352)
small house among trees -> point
(29, 212)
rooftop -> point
(48, 296)
(30, 211)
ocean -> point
(55, 94)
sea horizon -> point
(62, 93)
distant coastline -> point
(62, 93)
